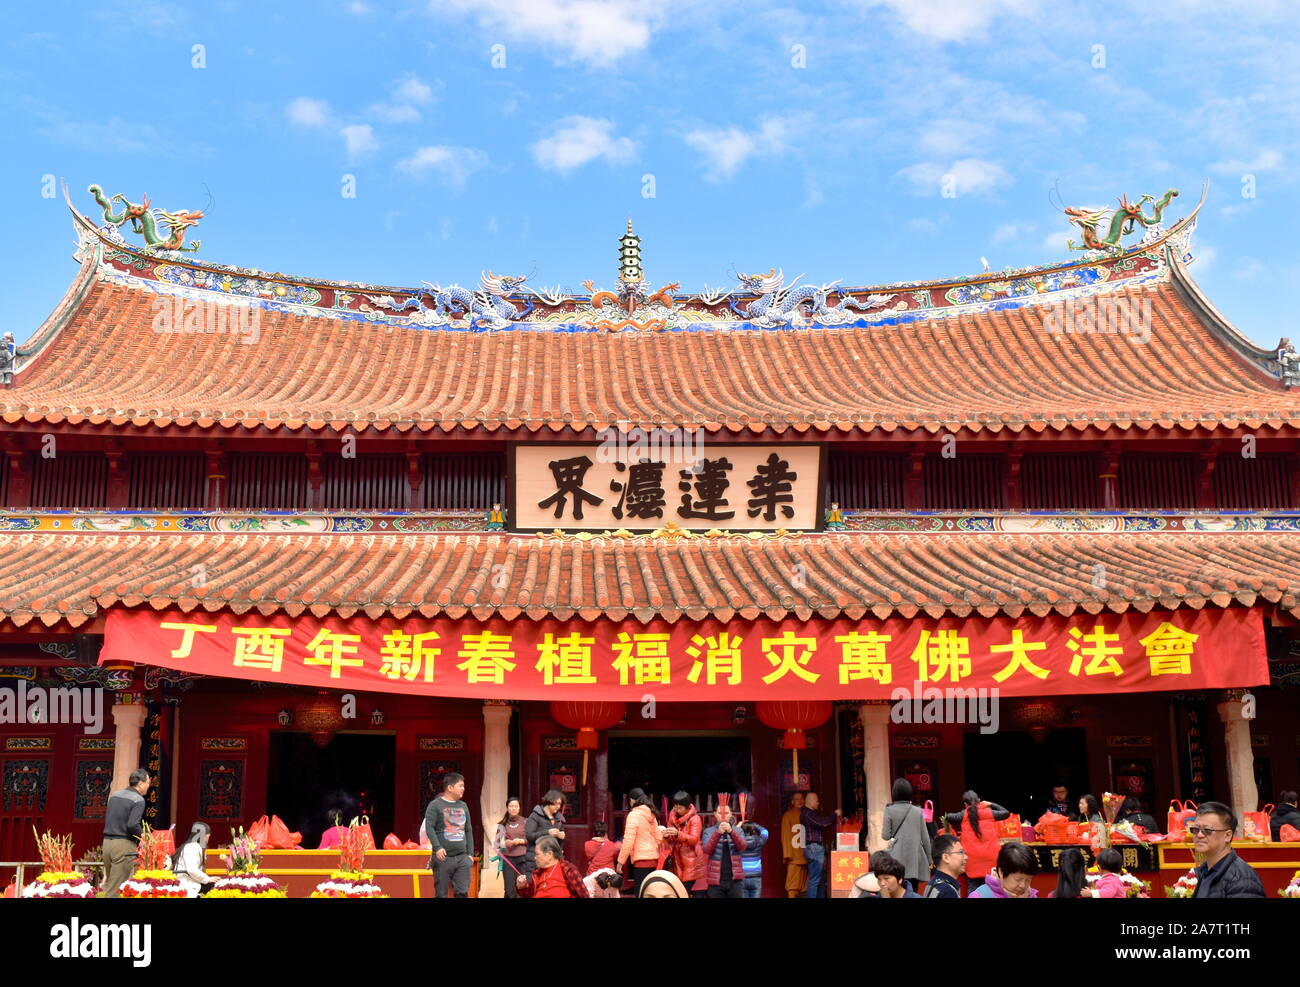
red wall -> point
(251, 714)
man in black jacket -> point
(1286, 812)
(122, 828)
(1223, 874)
(949, 865)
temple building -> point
(323, 542)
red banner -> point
(707, 660)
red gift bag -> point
(1009, 828)
(1254, 825)
(279, 837)
(259, 832)
(1180, 813)
(167, 840)
(391, 842)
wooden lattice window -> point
(464, 481)
(1157, 481)
(864, 481)
(267, 481)
(70, 480)
(1261, 483)
(1065, 481)
(964, 482)
(363, 483)
(166, 481)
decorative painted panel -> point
(430, 780)
(26, 783)
(94, 784)
(221, 789)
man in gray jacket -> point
(122, 827)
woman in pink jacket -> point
(642, 839)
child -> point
(1109, 884)
(752, 857)
(604, 883)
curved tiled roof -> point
(997, 372)
(50, 579)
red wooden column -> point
(116, 494)
(20, 481)
(314, 477)
(1109, 477)
(414, 480)
(1205, 479)
(913, 494)
(1014, 494)
(214, 497)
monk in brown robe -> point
(792, 843)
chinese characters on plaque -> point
(734, 487)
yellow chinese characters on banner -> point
(826, 659)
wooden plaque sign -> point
(642, 486)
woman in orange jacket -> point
(642, 839)
(979, 835)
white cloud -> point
(578, 140)
(952, 20)
(967, 176)
(725, 149)
(1011, 231)
(599, 33)
(413, 91)
(400, 113)
(408, 96)
(358, 8)
(1264, 161)
(1248, 269)
(948, 137)
(1203, 258)
(452, 165)
(306, 112)
(360, 138)
(1056, 242)
(919, 224)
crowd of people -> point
(678, 856)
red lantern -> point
(587, 718)
(320, 717)
(794, 716)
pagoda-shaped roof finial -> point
(629, 257)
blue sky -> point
(505, 134)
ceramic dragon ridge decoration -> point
(778, 305)
(145, 220)
(1122, 221)
(488, 305)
